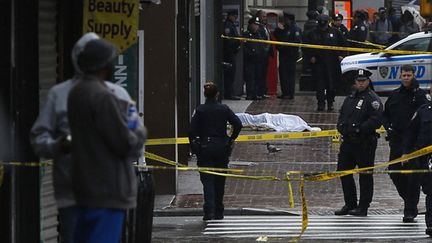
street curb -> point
(228, 212)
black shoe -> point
(258, 98)
(219, 216)
(408, 219)
(429, 231)
(290, 97)
(234, 98)
(344, 210)
(330, 107)
(266, 96)
(250, 98)
(208, 217)
(321, 107)
(362, 212)
(281, 96)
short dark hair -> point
(210, 90)
(408, 68)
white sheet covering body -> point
(278, 122)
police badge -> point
(428, 97)
(383, 71)
(376, 105)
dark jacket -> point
(230, 47)
(328, 37)
(360, 115)
(342, 29)
(420, 128)
(291, 33)
(210, 120)
(102, 175)
(400, 107)
(359, 32)
(253, 51)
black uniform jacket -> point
(400, 107)
(292, 34)
(360, 115)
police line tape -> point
(256, 137)
(332, 48)
(367, 43)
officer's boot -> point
(321, 105)
(359, 211)
(344, 210)
(409, 215)
(330, 106)
(429, 231)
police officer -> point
(420, 136)
(230, 49)
(288, 31)
(360, 116)
(253, 54)
(399, 108)
(209, 141)
(325, 63)
(337, 23)
(359, 32)
(268, 51)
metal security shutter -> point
(47, 78)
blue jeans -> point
(99, 225)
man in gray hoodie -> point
(49, 139)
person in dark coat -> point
(399, 108)
(288, 31)
(381, 28)
(359, 32)
(325, 63)
(408, 25)
(230, 50)
(209, 141)
(103, 178)
(420, 136)
(268, 51)
(360, 116)
(337, 23)
(253, 54)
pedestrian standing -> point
(209, 141)
(420, 136)
(382, 28)
(399, 108)
(337, 23)
(359, 32)
(360, 116)
(268, 51)
(49, 138)
(230, 50)
(408, 25)
(288, 31)
(325, 63)
(103, 178)
(253, 54)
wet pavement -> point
(312, 154)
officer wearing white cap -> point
(360, 116)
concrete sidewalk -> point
(312, 154)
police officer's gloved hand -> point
(354, 129)
(390, 134)
(63, 144)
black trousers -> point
(425, 181)
(325, 77)
(213, 155)
(262, 79)
(229, 75)
(407, 185)
(359, 153)
(252, 72)
(287, 74)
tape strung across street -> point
(332, 48)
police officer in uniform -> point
(360, 116)
(325, 63)
(399, 108)
(209, 141)
(288, 31)
(253, 54)
(359, 32)
(230, 49)
(337, 23)
(420, 136)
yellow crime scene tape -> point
(332, 48)
(367, 43)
